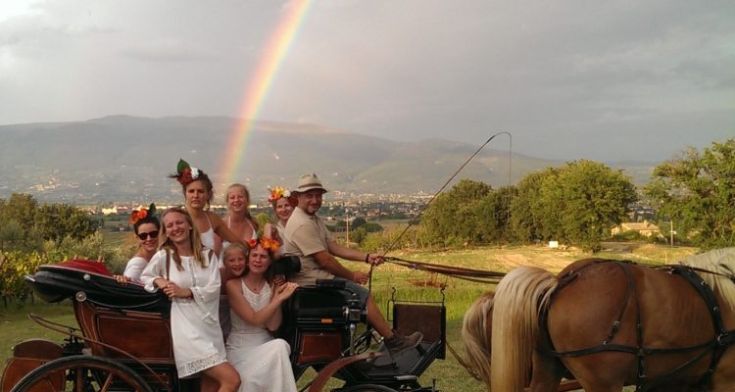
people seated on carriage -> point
(282, 203)
(198, 192)
(261, 360)
(189, 275)
(146, 228)
(307, 236)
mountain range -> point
(124, 158)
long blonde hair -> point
(247, 209)
(194, 239)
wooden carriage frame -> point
(122, 349)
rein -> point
(473, 275)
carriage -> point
(123, 340)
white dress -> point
(134, 268)
(261, 360)
(253, 236)
(195, 330)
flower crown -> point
(185, 174)
(142, 213)
(277, 193)
(267, 244)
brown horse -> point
(608, 324)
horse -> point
(607, 324)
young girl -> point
(262, 361)
(146, 228)
(190, 277)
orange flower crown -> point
(267, 244)
(142, 213)
(277, 193)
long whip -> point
(425, 206)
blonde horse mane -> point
(516, 326)
(475, 338)
(722, 262)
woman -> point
(189, 275)
(146, 228)
(283, 205)
(198, 193)
(262, 361)
(238, 218)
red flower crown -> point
(142, 213)
(267, 244)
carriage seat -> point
(88, 280)
(316, 322)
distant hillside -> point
(127, 158)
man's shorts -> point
(361, 291)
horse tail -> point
(475, 335)
(516, 326)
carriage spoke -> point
(79, 379)
(107, 384)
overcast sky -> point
(612, 80)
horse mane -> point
(516, 326)
(722, 263)
(475, 337)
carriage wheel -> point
(367, 388)
(82, 373)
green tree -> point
(697, 192)
(20, 207)
(526, 208)
(358, 235)
(586, 199)
(494, 211)
(12, 234)
(357, 222)
(17, 215)
(453, 218)
(56, 221)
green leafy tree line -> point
(33, 234)
(577, 203)
(24, 224)
(581, 201)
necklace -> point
(255, 288)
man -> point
(308, 237)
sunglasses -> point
(150, 234)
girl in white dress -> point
(190, 277)
(261, 360)
(146, 228)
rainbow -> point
(274, 52)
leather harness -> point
(717, 346)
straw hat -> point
(309, 182)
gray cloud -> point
(568, 78)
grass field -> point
(410, 285)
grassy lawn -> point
(15, 326)
(410, 285)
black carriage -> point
(123, 340)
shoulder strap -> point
(168, 263)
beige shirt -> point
(304, 236)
